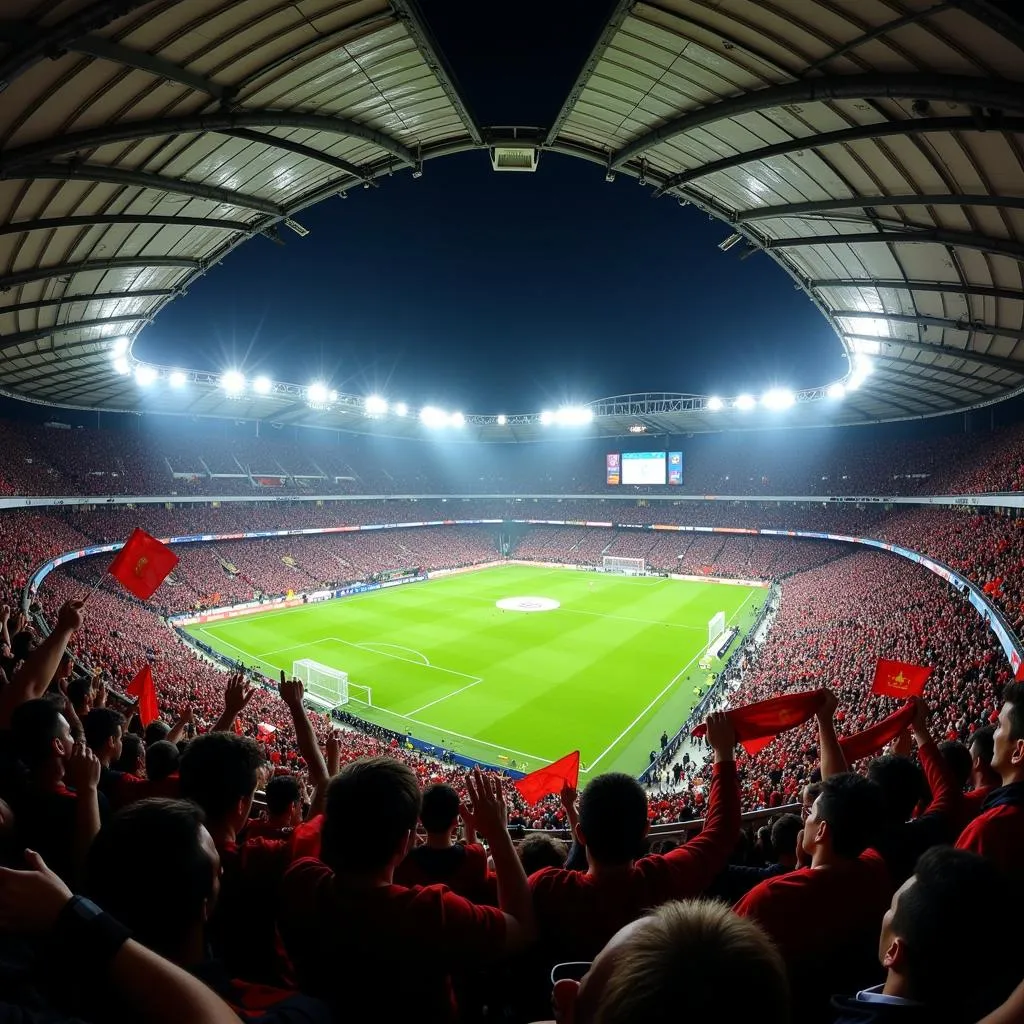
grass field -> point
(606, 671)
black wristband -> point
(92, 934)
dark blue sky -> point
(489, 291)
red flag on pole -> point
(758, 724)
(544, 781)
(142, 687)
(899, 679)
(142, 564)
(872, 740)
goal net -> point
(716, 627)
(326, 686)
(628, 566)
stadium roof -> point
(873, 150)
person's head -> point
(1008, 738)
(23, 644)
(370, 816)
(613, 819)
(156, 731)
(439, 809)
(80, 695)
(901, 783)
(155, 868)
(133, 755)
(958, 758)
(786, 831)
(540, 851)
(104, 729)
(42, 738)
(284, 800)
(981, 748)
(162, 760)
(696, 954)
(219, 772)
(844, 818)
(808, 795)
(931, 916)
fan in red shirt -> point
(578, 912)
(998, 832)
(983, 776)
(284, 810)
(345, 912)
(441, 860)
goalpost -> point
(627, 566)
(716, 627)
(329, 687)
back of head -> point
(372, 805)
(282, 793)
(853, 808)
(162, 760)
(156, 731)
(218, 770)
(901, 783)
(34, 726)
(982, 744)
(785, 832)
(133, 754)
(959, 759)
(80, 692)
(439, 808)
(613, 818)
(149, 869)
(696, 960)
(539, 851)
(102, 725)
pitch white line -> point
(372, 646)
(461, 689)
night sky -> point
(503, 292)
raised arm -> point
(833, 760)
(946, 795)
(185, 719)
(293, 692)
(84, 776)
(237, 694)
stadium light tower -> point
(145, 375)
(778, 399)
(262, 385)
(375, 405)
(433, 417)
(715, 404)
(547, 417)
(502, 419)
(745, 403)
(317, 393)
(233, 383)
(837, 390)
(457, 419)
(401, 409)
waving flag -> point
(899, 679)
(758, 724)
(142, 564)
(544, 781)
(872, 740)
(142, 688)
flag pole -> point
(96, 586)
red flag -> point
(758, 724)
(142, 564)
(899, 679)
(872, 740)
(538, 784)
(236, 726)
(142, 687)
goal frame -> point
(716, 627)
(626, 566)
(303, 668)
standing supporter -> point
(983, 776)
(104, 733)
(403, 944)
(441, 860)
(738, 879)
(998, 831)
(824, 918)
(284, 809)
(578, 912)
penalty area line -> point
(461, 689)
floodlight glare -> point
(862, 369)
(177, 378)
(262, 385)
(233, 382)
(573, 416)
(317, 393)
(778, 399)
(502, 419)
(401, 409)
(122, 366)
(333, 396)
(145, 375)
(433, 417)
(547, 417)
(120, 346)
(837, 390)
(715, 404)
(457, 419)
(745, 403)
(375, 405)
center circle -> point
(527, 604)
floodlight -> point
(837, 390)
(262, 385)
(862, 369)
(333, 396)
(778, 399)
(177, 378)
(574, 416)
(745, 403)
(547, 417)
(317, 393)
(375, 405)
(232, 382)
(401, 409)
(433, 417)
(502, 419)
(122, 366)
(457, 419)
(715, 404)
(145, 375)
(120, 346)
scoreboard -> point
(644, 469)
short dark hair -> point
(282, 792)
(219, 769)
(1013, 694)
(156, 731)
(34, 726)
(853, 808)
(79, 690)
(983, 741)
(785, 830)
(901, 783)
(132, 753)
(147, 868)
(541, 851)
(101, 725)
(371, 803)
(439, 808)
(934, 913)
(613, 818)
(959, 759)
(162, 760)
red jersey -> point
(401, 943)
(577, 913)
(463, 868)
(972, 802)
(998, 832)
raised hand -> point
(83, 768)
(31, 901)
(486, 811)
(828, 708)
(5, 612)
(237, 694)
(721, 736)
(919, 723)
(70, 617)
(292, 691)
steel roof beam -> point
(872, 202)
(976, 92)
(88, 266)
(919, 380)
(859, 133)
(170, 220)
(144, 179)
(299, 149)
(938, 236)
(899, 284)
(133, 131)
(934, 321)
(981, 358)
(144, 293)
(21, 337)
(885, 395)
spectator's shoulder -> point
(548, 879)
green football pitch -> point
(614, 664)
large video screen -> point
(643, 468)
